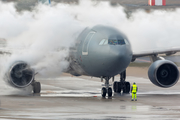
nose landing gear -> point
(107, 89)
(122, 85)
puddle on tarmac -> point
(70, 93)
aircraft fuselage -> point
(100, 51)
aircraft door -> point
(86, 42)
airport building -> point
(22, 5)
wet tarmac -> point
(75, 98)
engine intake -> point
(163, 73)
(20, 75)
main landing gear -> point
(106, 90)
(122, 85)
(36, 87)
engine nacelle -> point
(163, 73)
(20, 75)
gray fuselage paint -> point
(100, 60)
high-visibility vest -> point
(134, 88)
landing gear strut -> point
(36, 87)
(106, 90)
(122, 85)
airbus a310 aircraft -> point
(103, 52)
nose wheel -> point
(109, 92)
(103, 92)
(107, 89)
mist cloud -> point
(36, 35)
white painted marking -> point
(158, 2)
(150, 2)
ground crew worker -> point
(134, 90)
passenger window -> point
(102, 42)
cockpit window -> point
(106, 42)
(126, 41)
(116, 42)
(102, 42)
(121, 42)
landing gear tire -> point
(103, 92)
(126, 88)
(119, 87)
(115, 86)
(109, 92)
(37, 87)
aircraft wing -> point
(168, 52)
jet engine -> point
(163, 73)
(20, 75)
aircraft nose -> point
(116, 53)
(119, 53)
(120, 57)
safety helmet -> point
(134, 83)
